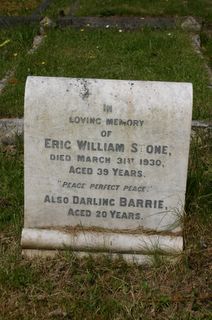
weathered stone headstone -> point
(105, 165)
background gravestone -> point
(105, 165)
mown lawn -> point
(206, 41)
(112, 54)
(201, 8)
(14, 45)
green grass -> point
(66, 287)
(206, 43)
(69, 288)
(13, 47)
(141, 55)
(67, 6)
(18, 7)
(11, 187)
(199, 195)
(201, 8)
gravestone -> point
(105, 166)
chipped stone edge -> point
(10, 129)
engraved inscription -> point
(109, 155)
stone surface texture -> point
(191, 24)
(106, 156)
(10, 129)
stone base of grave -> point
(134, 248)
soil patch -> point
(18, 7)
